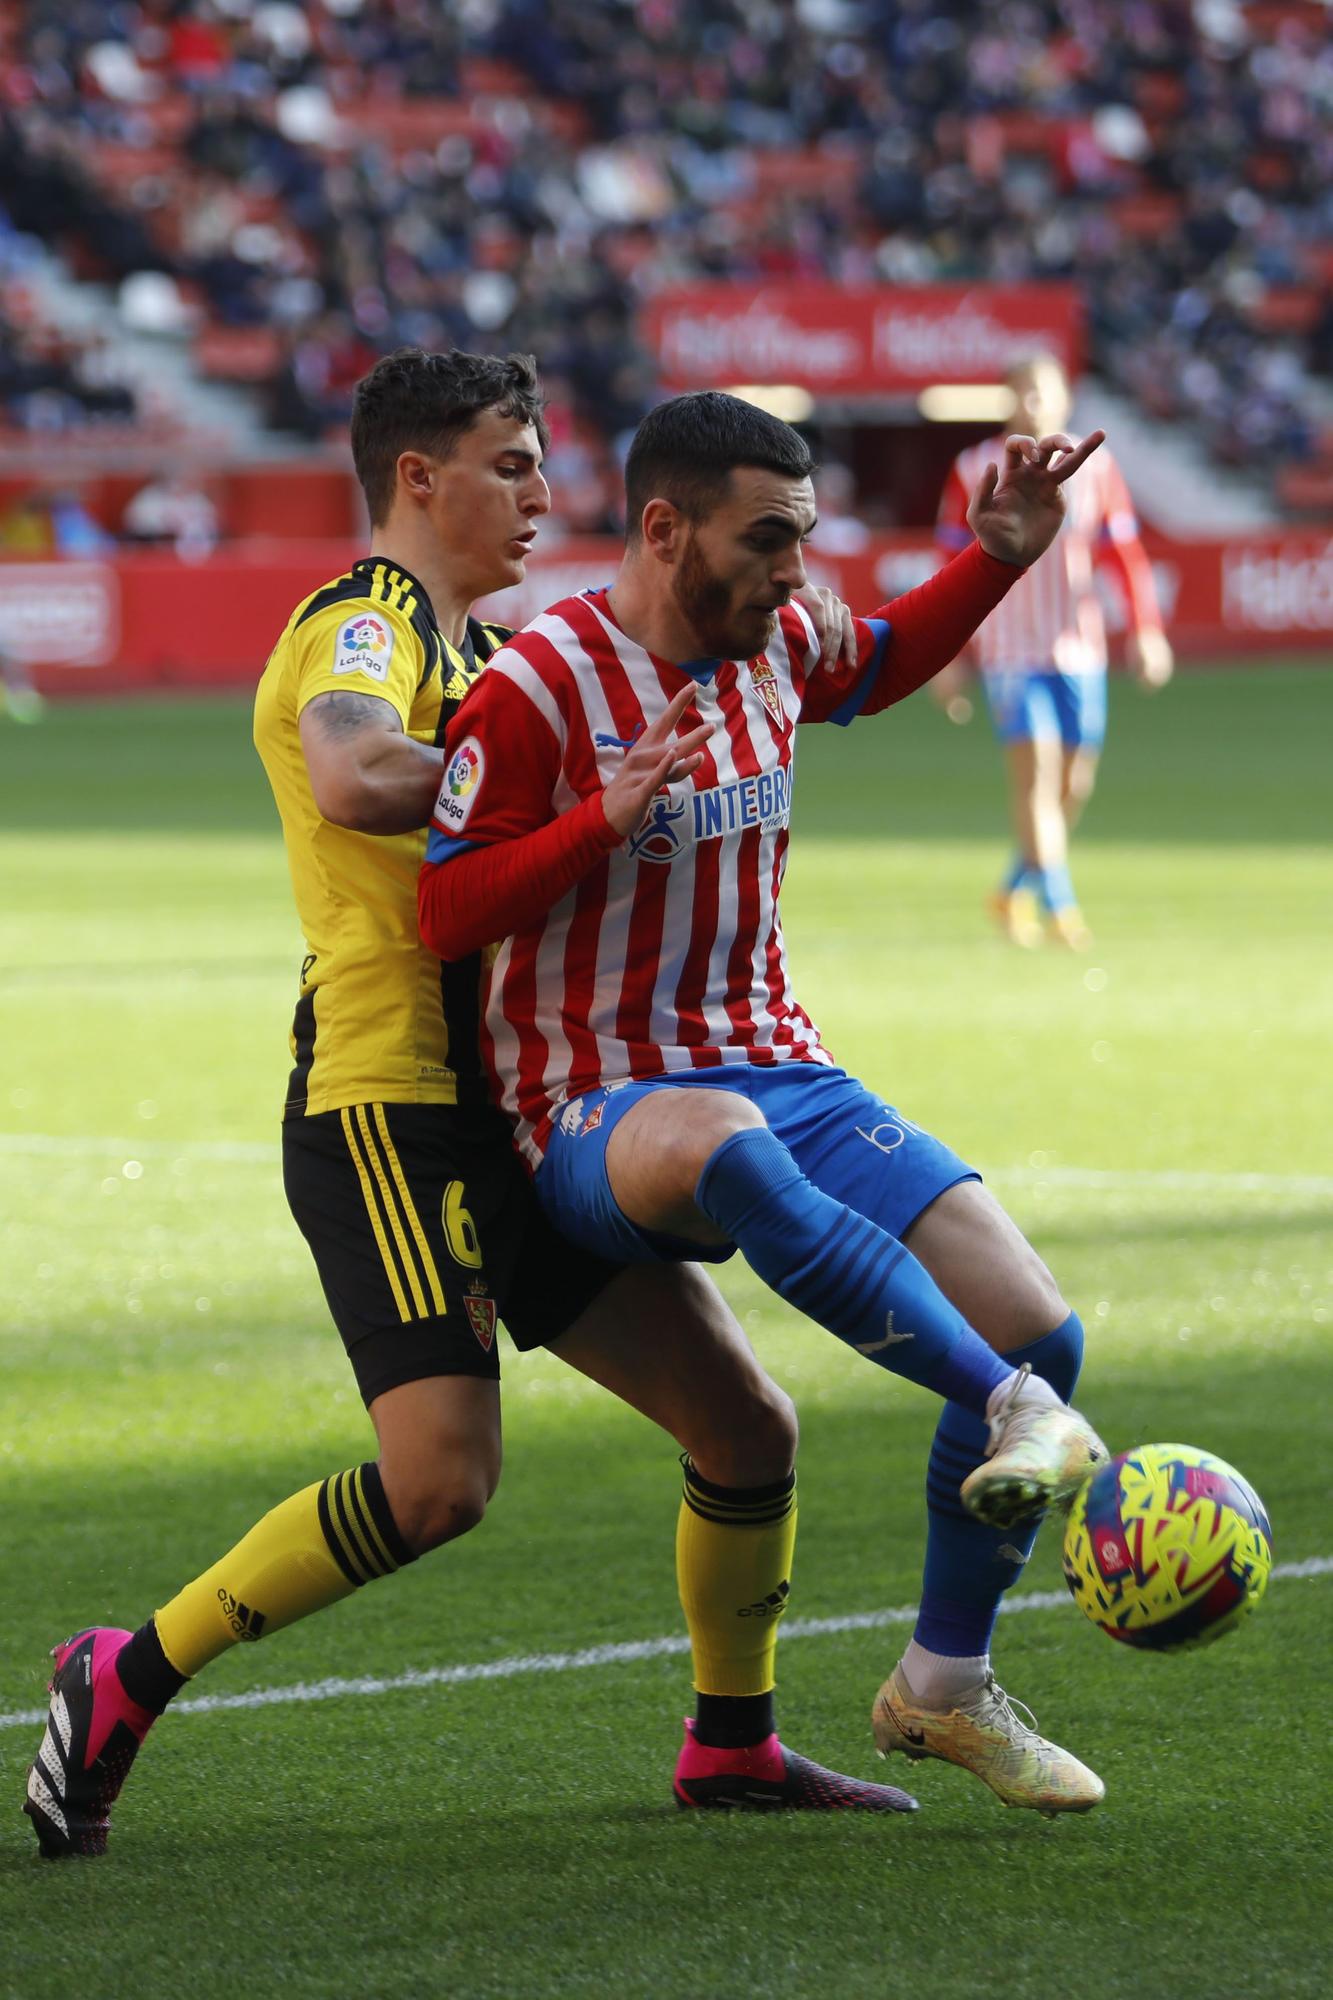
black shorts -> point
(425, 1231)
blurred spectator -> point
(51, 522)
(19, 699)
(74, 532)
(49, 382)
(172, 511)
(25, 528)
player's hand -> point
(1149, 657)
(658, 757)
(1017, 508)
(949, 688)
(832, 620)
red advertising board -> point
(67, 612)
(151, 621)
(1244, 594)
(856, 341)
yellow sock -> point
(318, 1546)
(733, 1569)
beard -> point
(724, 630)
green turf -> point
(169, 1373)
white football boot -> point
(1040, 1453)
(984, 1733)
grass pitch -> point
(1156, 1117)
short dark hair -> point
(414, 401)
(685, 451)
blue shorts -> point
(845, 1139)
(1027, 707)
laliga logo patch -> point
(364, 646)
(462, 776)
(766, 687)
(463, 772)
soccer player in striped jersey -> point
(615, 808)
(403, 1177)
(1042, 659)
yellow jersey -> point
(378, 1018)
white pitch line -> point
(1132, 1177)
(42, 1145)
(75, 1146)
(627, 1653)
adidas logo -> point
(771, 1606)
(244, 1622)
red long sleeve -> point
(933, 623)
(487, 893)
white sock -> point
(1035, 1390)
(937, 1679)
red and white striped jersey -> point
(1052, 617)
(668, 956)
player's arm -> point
(1148, 651)
(499, 854)
(358, 664)
(1014, 514)
(366, 772)
(949, 687)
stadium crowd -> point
(50, 380)
(282, 163)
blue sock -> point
(1056, 888)
(968, 1565)
(843, 1270)
(1022, 875)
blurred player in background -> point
(672, 1097)
(404, 1179)
(19, 699)
(1042, 658)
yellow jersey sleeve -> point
(359, 646)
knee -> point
(1031, 1306)
(431, 1512)
(442, 1516)
(686, 1146)
(751, 1441)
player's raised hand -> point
(949, 690)
(1149, 657)
(658, 757)
(1017, 508)
(832, 620)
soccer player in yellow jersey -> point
(404, 1180)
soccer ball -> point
(1167, 1547)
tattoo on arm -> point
(344, 714)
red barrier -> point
(1245, 594)
(152, 621)
(315, 500)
